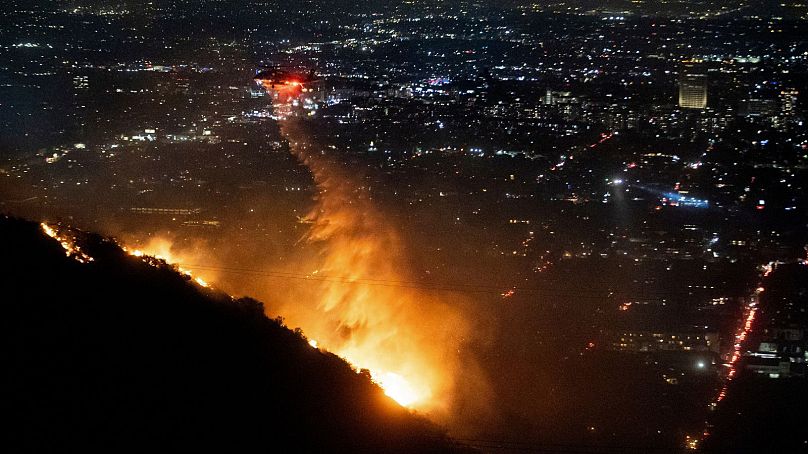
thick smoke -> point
(367, 306)
(348, 284)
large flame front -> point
(408, 339)
(399, 388)
(356, 299)
(162, 249)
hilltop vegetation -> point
(119, 355)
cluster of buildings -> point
(520, 146)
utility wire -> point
(459, 287)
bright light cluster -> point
(397, 388)
(742, 333)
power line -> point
(458, 287)
(509, 445)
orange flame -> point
(162, 249)
(68, 244)
(409, 340)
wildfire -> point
(408, 339)
(399, 389)
(353, 311)
(407, 392)
(68, 244)
(201, 282)
(161, 250)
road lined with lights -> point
(740, 340)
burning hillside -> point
(123, 351)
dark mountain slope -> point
(118, 355)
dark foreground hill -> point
(118, 355)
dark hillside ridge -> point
(118, 355)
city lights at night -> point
(396, 226)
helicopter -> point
(276, 77)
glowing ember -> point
(160, 250)
(68, 244)
(48, 230)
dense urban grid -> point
(610, 200)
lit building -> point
(788, 102)
(693, 85)
(648, 341)
(757, 107)
(779, 358)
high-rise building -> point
(788, 101)
(788, 109)
(692, 85)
